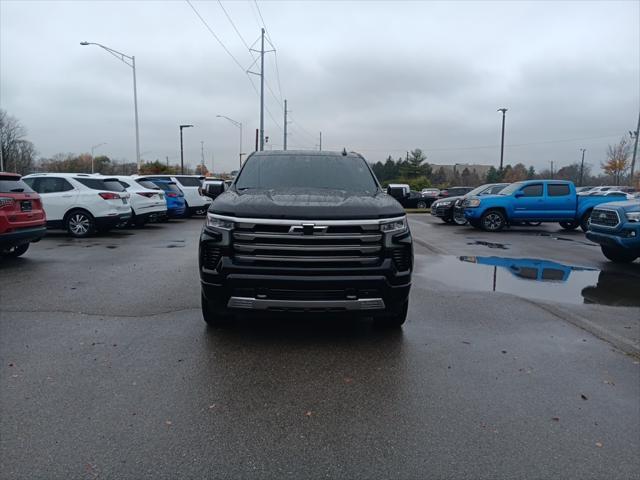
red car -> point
(22, 218)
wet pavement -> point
(108, 371)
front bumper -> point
(442, 211)
(472, 213)
(232, 285)
(617, 240)
(22, 236)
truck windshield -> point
(277, 172)
(511, 188)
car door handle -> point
(67, 196)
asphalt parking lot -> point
(108, 371)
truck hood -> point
(626, 206)
(307, 204)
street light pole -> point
(635, 150)
(239, 125)
(126, 59)
(504, 111)
(582, 166)
(92, 149)
(181, 149)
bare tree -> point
(17, 153)
(617, 163)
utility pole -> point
(320, 145)
(285, 125)
(504, 111)
(551, 161)
(257, 137)
(635, 150)
(262, 51)
(202, 156)
(167, 161)
(582, 166)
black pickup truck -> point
(305, 232)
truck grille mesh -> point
(605, 218)
(327, 246)
(210, 256)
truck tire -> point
(393, 319)
(618, 255)
(211, 316)
(15, 252)
(421, 205)
(493, 221)
(569, 225)
(585, 220)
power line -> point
(204, 22)
(234, 26)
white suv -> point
(147, 204)
(81, 203)
(191, 185)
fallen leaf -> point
(583, 396)
(348, 380)
(467, 343)
(11, 364)
(555, 419)
(309, 413)
(504, 351)
(213, 405)
(169, 422)
(598, 444)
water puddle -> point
(565, 239)
(500, 246)
(536, 279)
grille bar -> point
(258, 247)
(604, 217)
(310, 238)
(306, 259)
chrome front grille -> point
(314, 244)
(604, 217)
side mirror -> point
(213, 190)
(519, 194)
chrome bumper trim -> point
(250, 303)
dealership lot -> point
(107, 369)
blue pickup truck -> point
(532, 201)
(616, 227)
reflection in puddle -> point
(500, 246)
(537, 279)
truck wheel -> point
(393, 319)
(492, 221)
(618, 255)
(16, 251)
(79, 223)
(585, 221)
(569, 225)
(421, 205)
(212, 317)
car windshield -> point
(281, 172)
(13, 185)
(511, 188)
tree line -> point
(19, 155)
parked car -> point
(533, 201)
(616, 228)
(22, 218)
(592, 190)
(406, 197)
(147, 204)
(430, 195)
(445, 207)
(306, 231)
(619, 195)
(454, 192)
(81, 203)
(176, 205)
(191, 186)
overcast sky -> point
(377, 77)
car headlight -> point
(394, 226)
(473, 202)
(445, 203)
(633, 216)
(216, 222)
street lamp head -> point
(185, 126)
(503, 110)
(84, 43)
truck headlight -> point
(394, 226)
(216, 222)
(473, 203)
(633, 216)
